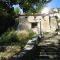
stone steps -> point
(49, 52)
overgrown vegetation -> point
(25, 34)
(10, 51)
(20, 37)
(8, 38)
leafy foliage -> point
(17, 11)
(6, 22)
(20, 37)
(32, 5)
(24, 35)
(8, 38)
(31, 34)
(27, 5)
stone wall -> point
(45, 23)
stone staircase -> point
(47, 53)
(48, 49)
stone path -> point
(49, 49)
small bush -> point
(24, 35)
(20, 37)
(8, 37)
(31, 33)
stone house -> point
(39, 22)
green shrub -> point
(31, 33)
(24, 35)
(20, 37)
(8, 37)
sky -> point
(54, 4)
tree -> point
(32, 6)
(6, 17)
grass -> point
(10, 51)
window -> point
(33, 25)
